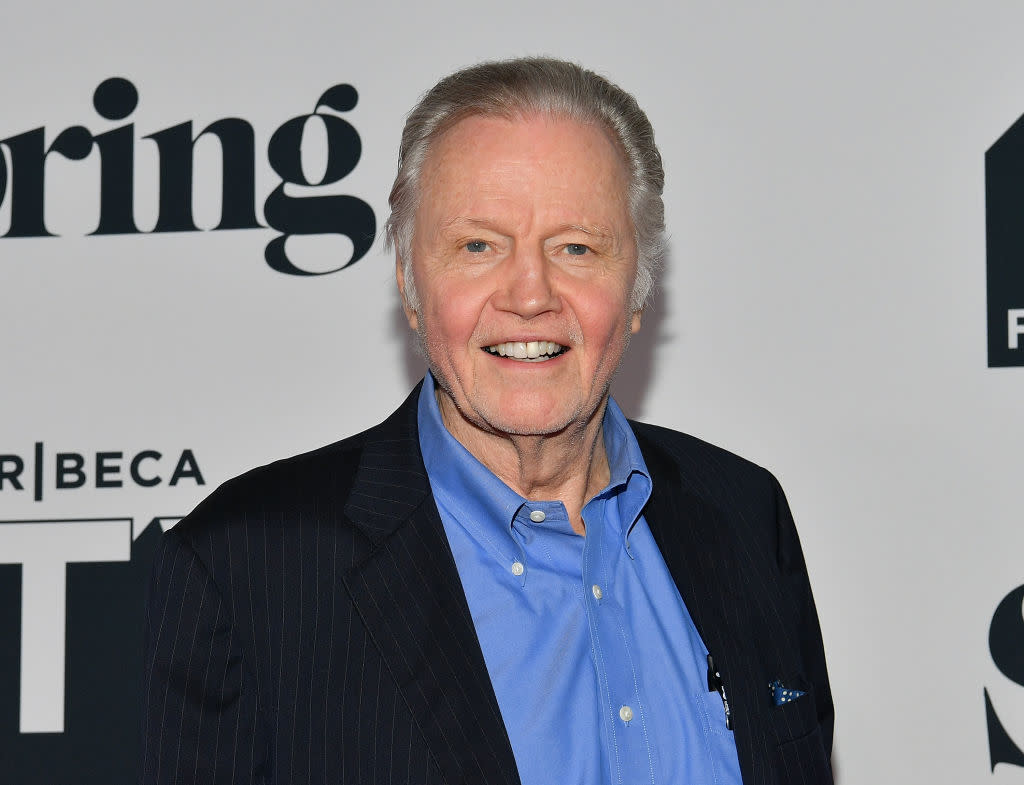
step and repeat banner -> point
(192, 283)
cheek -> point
(604, 320)
(451, 322)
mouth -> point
(527, 351)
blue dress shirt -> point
(599, 672)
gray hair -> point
(511, 89)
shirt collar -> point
(479, 499)
(624, 457)
(469, 490)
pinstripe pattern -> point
(306, 623)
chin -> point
(534, 422)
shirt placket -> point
(624, 714)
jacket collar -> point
(696, 542)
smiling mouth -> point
(527, 351)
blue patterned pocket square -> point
(782, 694)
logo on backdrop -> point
(70, 470)
(1004, 207)
(115, 99)
(72, 613)
(1006, 644)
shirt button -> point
(517, 568)
(625, 714)
(598, 594)
(537, 516)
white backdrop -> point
(822, 312)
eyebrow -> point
(593, 230)
(462, 220)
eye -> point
(576, 249)
(476, 246)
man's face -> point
(523, 245)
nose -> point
(527, 287)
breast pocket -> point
(719, 743)
(712, 710)
(801, 758)
(796, 717)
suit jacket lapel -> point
(685, 528)
(695, 543)
(408, 594)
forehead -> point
(538, 163)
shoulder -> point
(283, 487)
(311, 486)
(698, 463)
(288, 494)
(744, 497)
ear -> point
(411, 316)
(634, 326)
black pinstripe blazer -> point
(306, 623)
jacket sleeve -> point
(794, 573)
(199, 715)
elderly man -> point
(506, 581)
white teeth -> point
(535, 351)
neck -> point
(570, 466)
